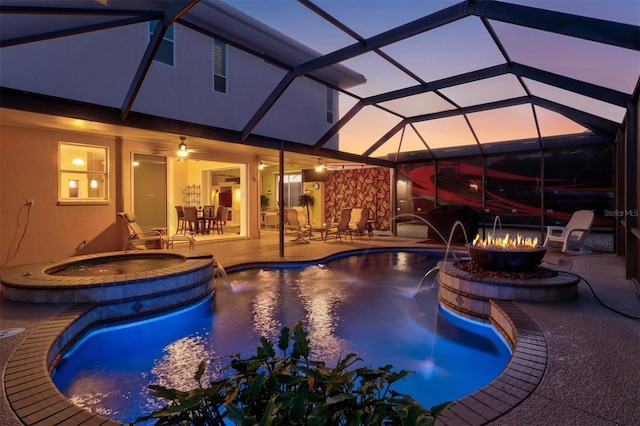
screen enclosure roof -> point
(416, 79)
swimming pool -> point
(364, 304)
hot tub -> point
(112, 277)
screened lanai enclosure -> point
(524, 110)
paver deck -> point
(574, 362)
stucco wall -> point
(29, 170)
(48, 231)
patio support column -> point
(120, 178)
(281, 205)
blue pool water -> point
(364, 304)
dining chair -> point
(221, 218)
(191, 219)
(208, 219)
(180, 227)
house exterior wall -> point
(48, 231)
(93, 67)
(99, 67)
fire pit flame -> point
(505, 242)
(506, 254)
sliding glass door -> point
(150, 190)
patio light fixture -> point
(182, 148)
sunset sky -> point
(456, 48)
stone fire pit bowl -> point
(497, 259)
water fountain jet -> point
(435, 268)
(415, 216)
(220, 272)
(444, 240)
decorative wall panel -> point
(358, 188)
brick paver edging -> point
(516, 382)
(36, 400)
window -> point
(292, 189)
(329, 105)
(83, 173)
(165, 50)
(219, 67)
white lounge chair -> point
(572, 236)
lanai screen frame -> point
(488, 11)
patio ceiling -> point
(443, 78)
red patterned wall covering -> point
(358, 188)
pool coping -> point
(516, 382)
(35, 399)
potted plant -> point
(306, 200)
(264, 201)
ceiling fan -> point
(182, 152)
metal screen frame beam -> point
(171, 14)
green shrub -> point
(291, 389)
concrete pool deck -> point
(593, 357)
